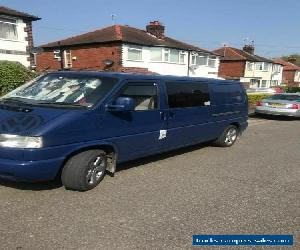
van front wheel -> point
(85, 170)
(228, 137)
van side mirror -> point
(121, 104)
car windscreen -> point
(63, 89)
(285, 97)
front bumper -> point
(277, 111)
(29, 170)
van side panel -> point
(229, 104)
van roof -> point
(135, 76)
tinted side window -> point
(228, 93)
(144, 94)
(187, 94)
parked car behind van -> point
(285, 104)
(78, 125)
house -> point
(253, 70)
(128, 49)
(291, 72)
(16, 40)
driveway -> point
(160, 202)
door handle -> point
(163, 116)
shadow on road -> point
(36, 186)
(158, 157)
(273, 117)
(50, 185)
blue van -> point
(80, 125)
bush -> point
(12, 75)
(291, 89)
(254, 98)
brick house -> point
(253, 70)
(128, 49)
(16, 40)
(291, 72)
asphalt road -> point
(160, 202)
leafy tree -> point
(296, 56)
(12, 75)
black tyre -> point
(85, 170)
(228, 137)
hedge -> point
(292, 89)
(12, 75)
(254, 98)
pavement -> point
(161, 201)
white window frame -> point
(67, 59)
(182, 56)
(261, 66)
(193, 58)
(211, 59)
(203, 56)
(135, 48)
(56, 54)
(12, 22)
(266, 66)
(161, 54)
(166, 56)
(250, 66)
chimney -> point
(292, 59)
(155, 28)
(249, 48)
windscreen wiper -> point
(67, 104)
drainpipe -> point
(188, 69)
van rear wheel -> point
(85, 170)
(228, 137)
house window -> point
(182, 56)
(212, 61)
(259, 66)
(68, 59)
(156, 54)
(266, 66)
(8, 28)
(201, 60)
(56, 54)
(276, 68)
(166, 55)
(264, 83)
(193, 59)
(135, 53)
(174, 56)
(250, 66)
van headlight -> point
(17, 141)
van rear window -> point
(187, 94)
(227, 93)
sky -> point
(273, 24)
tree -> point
(296, 56)
(12, 75)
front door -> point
(139, 132)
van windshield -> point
(63, 89)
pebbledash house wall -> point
(84, 57)
(17, 50)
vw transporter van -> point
(80, 125)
